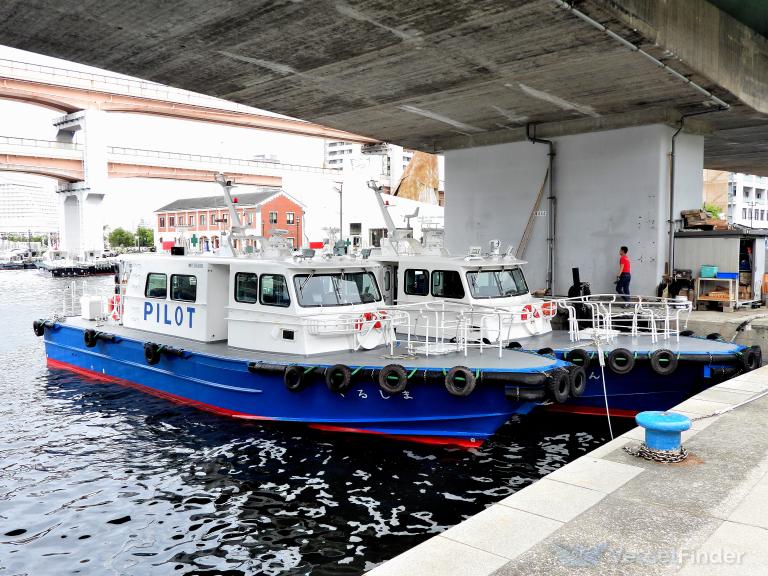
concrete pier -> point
(612, 513)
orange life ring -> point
(529, 312)
(549, 309)
(114, 307)
(368, 317)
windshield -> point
(320, 290)
(497, 283)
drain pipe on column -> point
(671, 254)
(551, 209)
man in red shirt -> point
(623, 277)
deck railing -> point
(607, 315)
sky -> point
(129, 201)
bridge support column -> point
(611, 189)
(82, 233)
(83, 219)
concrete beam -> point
(706, 39)
(666, 116)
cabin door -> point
(389, 284)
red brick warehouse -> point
(206, 218)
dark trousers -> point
(622, 285)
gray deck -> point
(559, 340)
(488, 360)
(611, 513)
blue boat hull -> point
(643, 389)
(425, 412)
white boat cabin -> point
(293, 305)
(481, 283)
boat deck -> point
(511, 360)
(559, 340)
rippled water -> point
(98, 479)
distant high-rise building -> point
(386, 165)
(27, 207)
(747, 200)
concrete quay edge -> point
(602, 513)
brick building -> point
(204, 219)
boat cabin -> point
(298, 306)
(483, 283)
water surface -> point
(99, 479)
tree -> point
(145, 236)
(713, 209)
(120, 237)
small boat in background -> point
(57, 264)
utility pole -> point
(340, 190)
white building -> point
(386, 165)
(26, 206)
(748, 200)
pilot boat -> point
(298, 337)
(636, 354)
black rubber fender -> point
(293, 378)
(663, 361)
(263, 367)
(338, 378)
(752, 358)
(546, 351)
(524, 379)
(559, 386)
(392, 379)
(578, 357)
(714, 336)
(152, 353)
(521, 394)
(621, 361)
(90, 337)
(39, 327)
(178, 352)
(514, 346)
(578, 381)
(460, 381)
(687, 333)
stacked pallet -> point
(701, 220)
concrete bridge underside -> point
(434, 75)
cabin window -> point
(417, 282)
(497, 283)
(274, 290)
(183, 287)
(157, 285)
(387, 280)
(447, 284)
(319, 290)
(246, 287)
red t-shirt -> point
(624, 263)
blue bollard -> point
(663, 429)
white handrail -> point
(608, 313)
